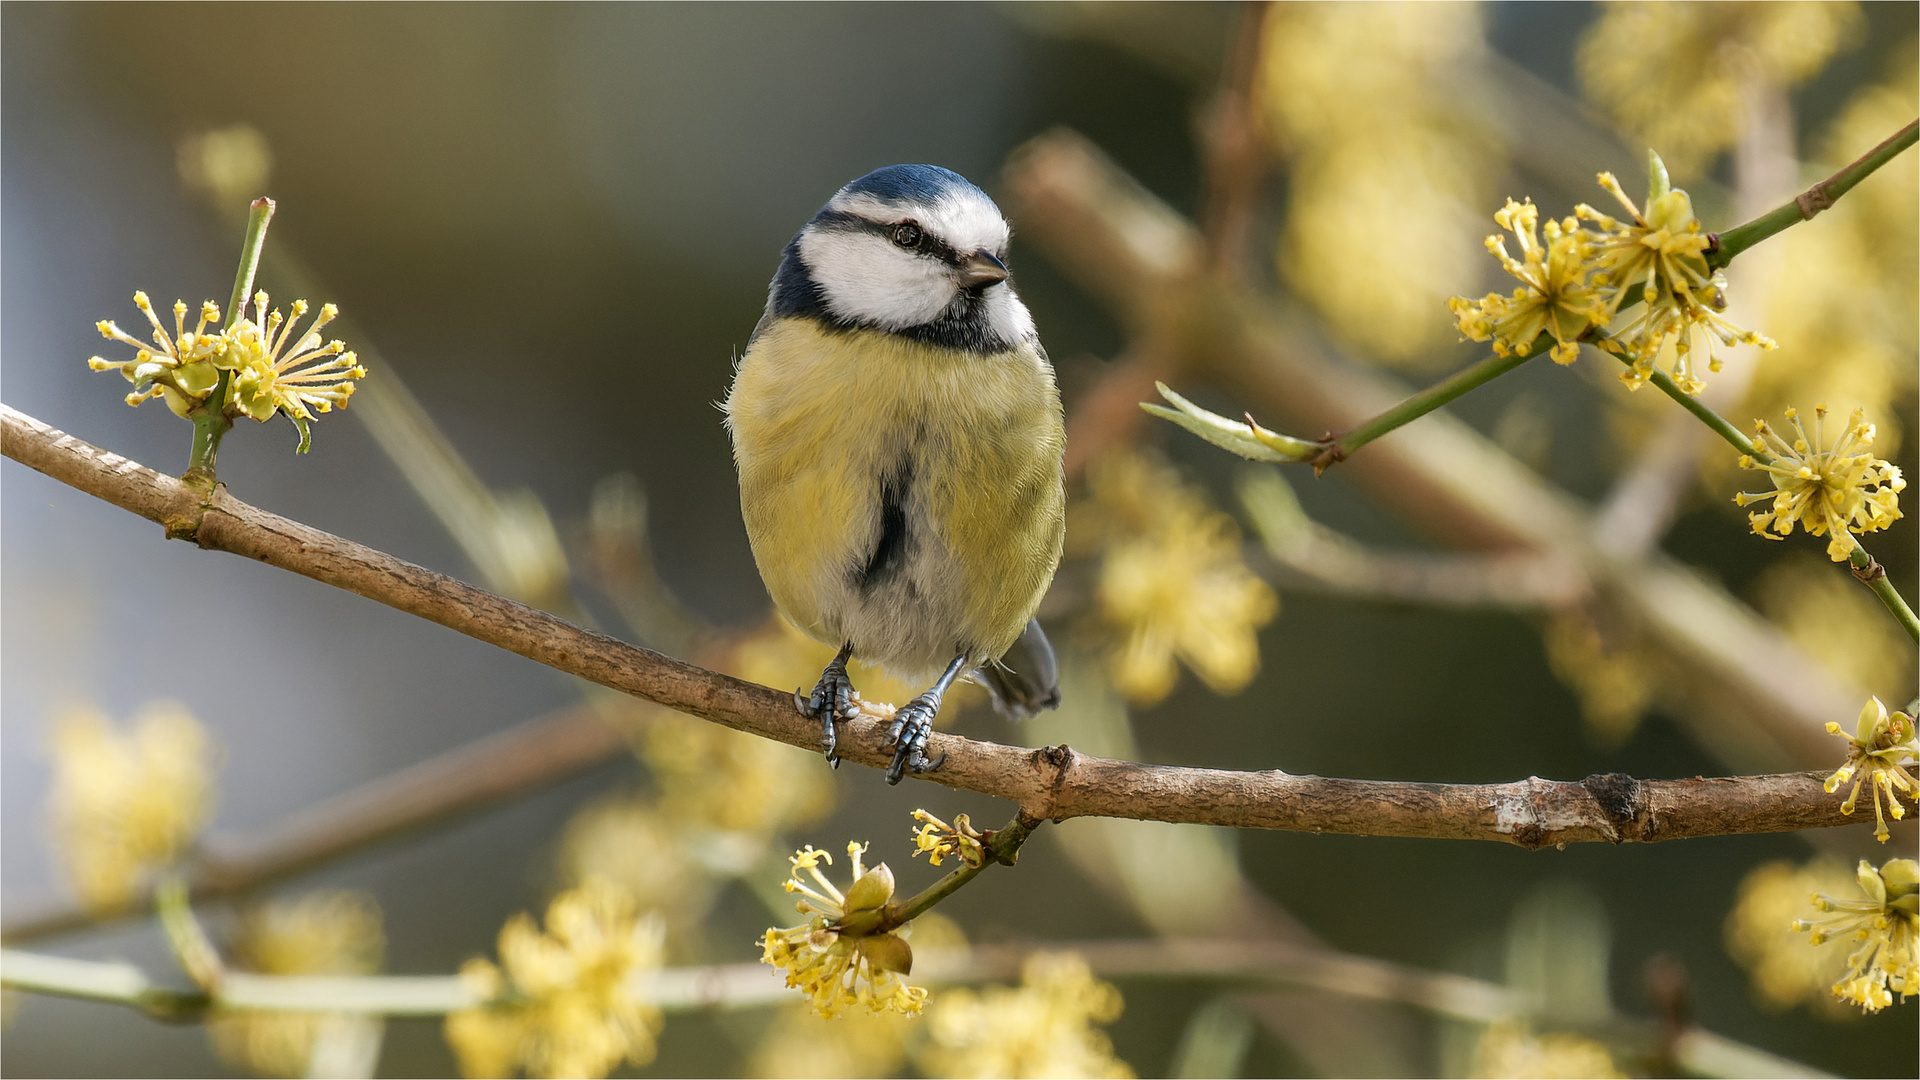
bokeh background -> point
(556, 224)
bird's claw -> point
(832, 700)
(911, 727)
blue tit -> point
(898, 435)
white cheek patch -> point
(863, 277)
(1006, 315)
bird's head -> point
(914, 250)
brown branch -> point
(1054, 782)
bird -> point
(898, 435)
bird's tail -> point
(1026, 679)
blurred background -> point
(553, 227)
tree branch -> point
(1054, 782)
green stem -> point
(1004, 847)
(1810, 202)
(259, 214)
(1869, 571)
(210, 420)
(1424, 402)
(1720, 424)
(210, 424)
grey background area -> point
(558, 222)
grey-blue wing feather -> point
(1025, 680)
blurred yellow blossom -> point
(1681, 76)
(941, 841)
(1507, 1050)
(564, 1002)
(629, 842)
(1785, 972)
(1172, 581)
(229, 164)
(1840, 625)
(841, 955)
(1043, 1028)
(718, 780)
(1662, 250)
(801, 1043)
(1554, 296)
(1607, 667)
(1383, 165)
(1884, 925)
(265, 381)
(126, 804)
(1879, 749)
(326, 932)
(178, 366)
(1834, 492)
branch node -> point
(1622, 800)
(1813, 200)
(1871, 572)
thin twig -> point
(1811, 201)
(743, 986)
(1052, 783)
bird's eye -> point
(908, 235)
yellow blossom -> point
(125, 804)
(1663, 251)
(1554, 296)
(564, 1002)
(1172, 582)
(178, 366)
(1507, 1050)
(269, 377)
(327, 932)
(1044, 1028)
(1833, 492)
(1884, 925)
(1784, 971)
(941, 841)
(1881, 745)
(844, 954)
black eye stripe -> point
(930, 245)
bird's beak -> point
(981, 269)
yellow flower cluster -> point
(1045, 1027)
(1884, 925)
(1507, 1050)
(1834, 492)
(1173, 582)
(268, 369)
(844, 954)
(1578, 281)
(941, 841)
(563, 1002)
(1881, 745)
(1663, 252)
(1785, 972)
(1554, 296)
(125, 804)
(327, 932)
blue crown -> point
(910, 183)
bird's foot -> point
(911, 727)
(832, 700)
